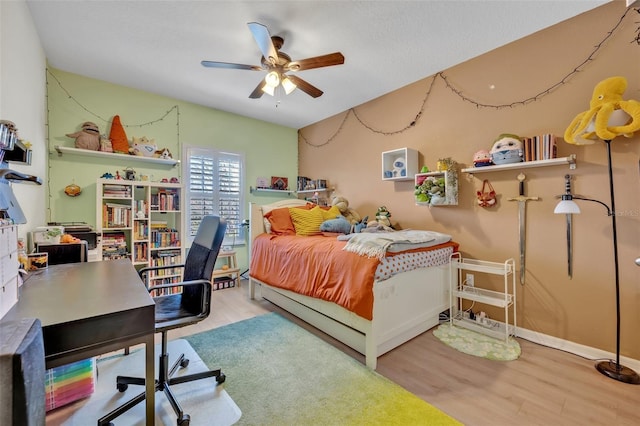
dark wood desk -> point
(88, 309)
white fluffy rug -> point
(206, 402)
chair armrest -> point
(143, 272)
(181, 284)
(206, 299)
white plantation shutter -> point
(215, 182)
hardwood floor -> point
(543, 387)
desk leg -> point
(150, 384)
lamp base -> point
(618, 372)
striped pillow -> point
(306, 222)
(332, 213)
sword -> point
(569, 215)
(522, 217)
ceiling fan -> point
(278, 63)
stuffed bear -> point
(343, 205)
(88, 137)
(143, 147)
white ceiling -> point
(157, 46)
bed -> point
(400, 307)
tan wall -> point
(580, 310)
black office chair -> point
(190, 306)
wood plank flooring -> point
(543, 387)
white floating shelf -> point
(115, 156)
(273, 191)
(570, 160)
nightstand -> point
(224, 278)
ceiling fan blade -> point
(214, 64)
(257, 92)
(263, 38)
(335, 58)
(306, 87)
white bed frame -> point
(405, 305)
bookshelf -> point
(141, 221)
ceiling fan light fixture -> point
(269, 90)
(288, 85)
(272, 79)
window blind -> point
(215, 187)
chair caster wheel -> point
(121, 388)
(185, 420)
(221, 378)
(184, 363)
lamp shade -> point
(288, 85)
(567, 206)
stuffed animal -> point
(105, 144)
(608, 116)
(163, 153)
(118, 136)
(143, 147)
(374, 226)
(343, 205)
(360, 225)
(482, 158)
(399, 169)
(507, 149)
(383, 215)
(339, 225)
(88, 137)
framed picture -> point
(321, 184)
(262, 182)
(281, 183)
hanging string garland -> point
(105, 120)
(148, 123)
(465, 98)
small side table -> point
(233, 272)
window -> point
(214, 186)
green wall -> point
(270, 150)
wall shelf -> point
(570, 160)
(114, 156)
(272, 191)
(410, 157)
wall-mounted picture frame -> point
(281, 183)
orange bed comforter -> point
(317, 266)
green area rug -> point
(477, 344)
(280, 374)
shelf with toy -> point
(438, 188)
(570, 160)
(399, 164)
(111, 155)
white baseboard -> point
(574, 348)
